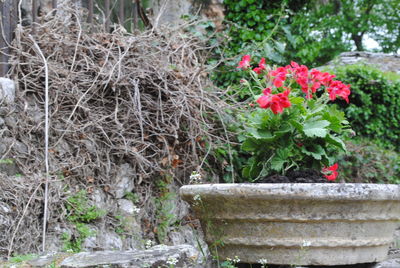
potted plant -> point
(295, 127)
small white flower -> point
(148, 244)
(236, 259)
(263, 261)
(197, 197)
(306, 243)
(136, 210)
(172, 260)
(195, 178)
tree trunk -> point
(358, 41)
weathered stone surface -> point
(110, 240)
(7, 90)
(43, 261)
(396, 240)
(4, 214)
(100, 200)
(185, 255)
(384, 62)
(304, 224)
(171, 12)
(391, 263)
(124, 181)
(9, 167)
(126, 207)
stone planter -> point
(303, 224)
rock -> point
(126, 207)
(396, 240)
(171, 12)
(3, 148)
(90, 243)
(109, 241)
(183, 255)
(7, 90)
(11, 122)
(103, 201)
(21, 147)
(5, 219)
(124, 181)
(384, 62)
(391, 263)
(43, 261)
(9, 167)
(187, 235)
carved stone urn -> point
(301, 224)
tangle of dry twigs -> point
(115, 98)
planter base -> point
(305, 256)
(301, 224)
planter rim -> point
(295, 191)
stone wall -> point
(384, 62)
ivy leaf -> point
(316, 128)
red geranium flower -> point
(280, 76)
(261, 66)
(245, 62)
(332, 172)
(338, 89)
(275, 102)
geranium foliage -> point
(294, 125)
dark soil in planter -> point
(298, 176)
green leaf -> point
(296, 100)
(335, 117)
(316, 151)
(336, 142)
(285, 128)
(249, 145)
(261, 134)
(246, 172)
(277, 163)
(296, 125)
(289, 36)
(280, 46)
(316, 128)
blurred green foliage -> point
(309, 32)
(368, 162)
(374, 110)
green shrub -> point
(368, 162)
(374, 110)
(253, 27)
